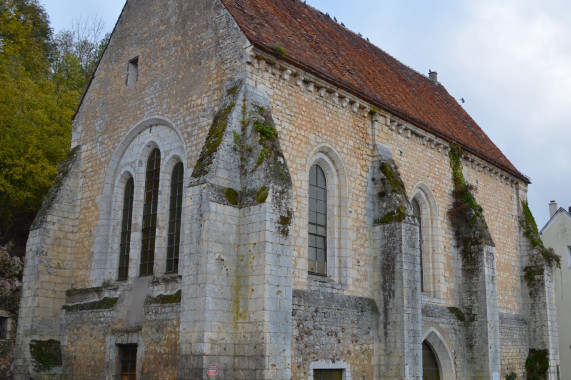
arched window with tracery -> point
(126, 223)
(317, 221)
(149, 229)
(175, 217)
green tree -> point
(78, 51)
(42, 79)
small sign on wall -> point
(213, 371)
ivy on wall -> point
(467, 215)
(530, 231)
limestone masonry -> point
(255, 192)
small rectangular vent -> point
(132, 72)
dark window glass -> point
(175, 216)
(327, 374)
(150, 207)
(416, 211)
(128, 362)
(430, 370)
(126, 223)
(317, 223)
(3, 328)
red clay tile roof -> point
(319, 45)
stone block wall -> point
(244, 299)
(94, 328)
(334, 328)
(49, 265)
(189, 53)
(514, 338)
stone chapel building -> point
(254, 191)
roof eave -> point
(379, 103)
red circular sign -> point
(212, 370)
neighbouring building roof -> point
(316, 43)
(561, 212)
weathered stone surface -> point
(247, 127)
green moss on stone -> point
(164, 299)
(466, 215)
(280, 50)
(46, 353)
(237, 146)
(213, 141)
(394, 178)
(233, 90)
(537, 364)
(530, 273)
(83, 291)
(232, 196)
(102, 304)
(264, 153)
(511, 376)
(530, 231)
(393, 216)
(262, 194)
(458, 314)
(266, 131)
(284, 223)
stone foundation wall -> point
(333, 328)
(514, 338)
(91, 337)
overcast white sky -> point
(509, 59)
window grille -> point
(126, 224)
(3, 328)
(317, 222)
(128, 362)
(175, 217)
(327, 374)
(417, 212)
(150, 207)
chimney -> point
(433, 76)
(552, 208)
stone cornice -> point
(280, 69)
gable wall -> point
(184, 66)
(558, 237)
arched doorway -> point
(430, 366)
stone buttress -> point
(537, 265)
(478, 287)
(396, 242)
(237, 282)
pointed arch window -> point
(150, 207)
(418, 213)
(317, 222)
(175, 217)
(126, 223)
